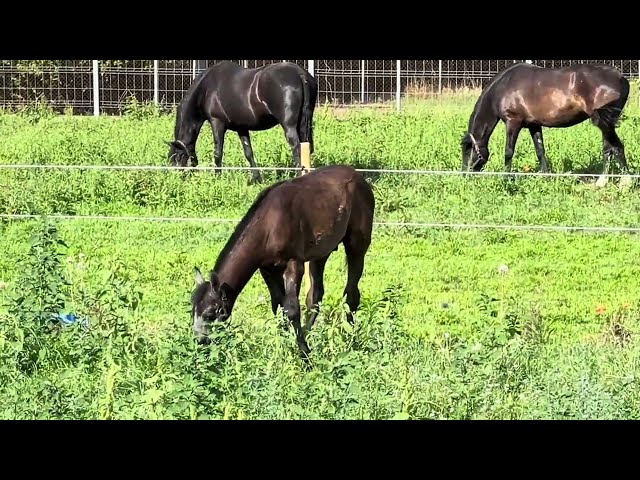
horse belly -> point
(263, 121)
(557, 109)
(322, 240)
(321, 246)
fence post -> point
(362, 81)
(439, 77)
(156, 82)
(305, 159)
(96, 89)
(398, 85)
(193, 69)
(311, 67)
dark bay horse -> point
(528, 96)
(290, 223)
(231, 97)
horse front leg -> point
(513, 130)
(292, 280)
(275, 283)
(538, 143)
(316, 292)
(219, 129)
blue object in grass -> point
(68, 318)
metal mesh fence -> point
(69, 83)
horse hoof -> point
(255, 179)
(304, 350)
(625, 182)
(602, 181)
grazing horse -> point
(528, 96)
(231, 97)
(290, 223)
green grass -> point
(441, 332)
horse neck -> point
(188, 125)
(483, 122)
(238, 266)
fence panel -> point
(122, 81)
(61, 83)
(68, 83)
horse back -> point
(230, 94)
(558, 96)
(309, 216)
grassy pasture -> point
(443, 331)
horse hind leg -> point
(355, 247)
(291, 134)
(245, 139)
(289, 120)
(606, 119)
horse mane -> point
(466, 138)
(244, 222)
(188, 97)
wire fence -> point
(204, 168)
(428, 225)
(107, 86)
(384, 224)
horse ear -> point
(199, 277)
(214, 281)
(225, 290)
(179, 146)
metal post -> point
(96, 89)
(193, 67)
(362, 78)
(245, 63)
(439, 77)
(305, 160)
(156, 81)
(202, 65)
(311, 67)
(398, 85)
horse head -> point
(211, 302)
(473, 153)
(180, 156)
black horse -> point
(231, 97)
(532, 97)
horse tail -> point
(305, 122)
(611, 114)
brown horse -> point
(532, 97)
(290, 223)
